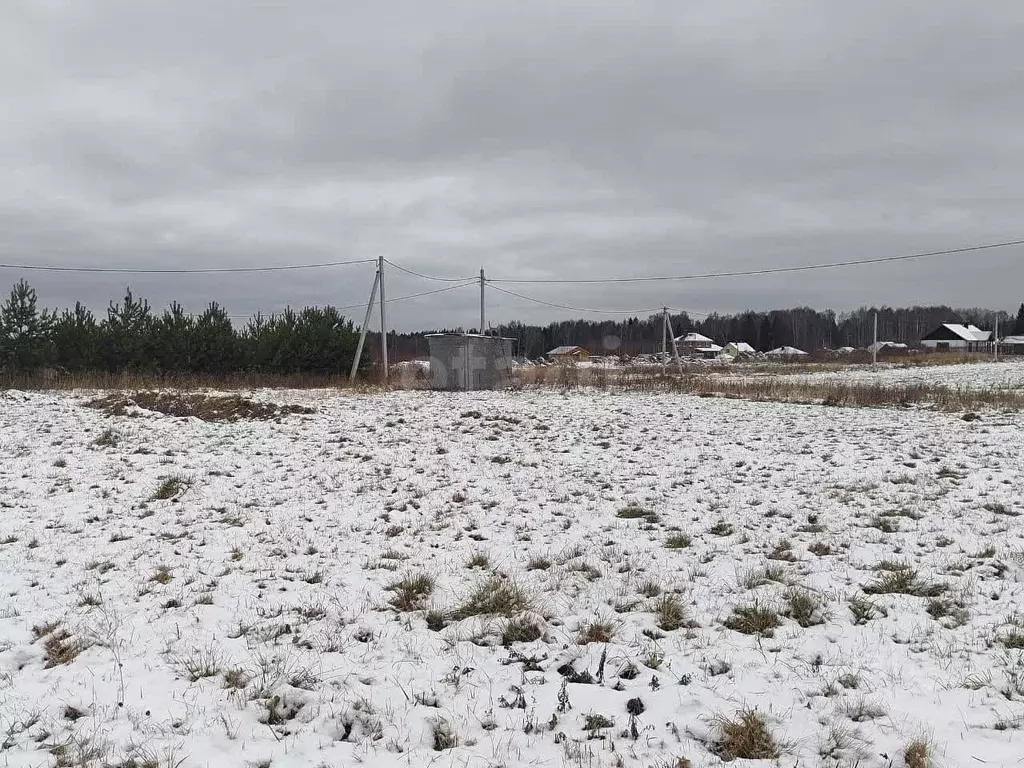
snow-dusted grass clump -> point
(496, 579)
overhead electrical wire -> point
(388, 301)
(766, 271)
(161, 271)
(576, 309)
(408, 271)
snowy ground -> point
(1002, 375)
(245, 619)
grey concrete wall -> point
(469, 362)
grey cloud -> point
(535, 139)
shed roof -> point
(566, 350)
(965, 332)
(786, 351)
(694, 338)
(740, 346)
(1013, 340)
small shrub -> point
(746, 737)
(783, 551)
(411, 593)
(596, 722)
(754, 619)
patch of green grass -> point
(671, 613)
(598, 631)
(903, 581)
(634, 511)
(805, 608)
(411, 593)
(677, 541)
(754, 619)
(864, 610)
(522, 629)
(495, 596)
(170, 487)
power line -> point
(576, 309)
(768, 271)
(160, 271)
(389, 301)
(427, 277)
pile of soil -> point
(198, 405)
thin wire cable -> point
(389, 301)
(577, 309)
(160, 271)
(428, 277)
(768, 271)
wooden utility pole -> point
(383, 318)
(482, 315)
(366, 326)
(664, 340)
(874, 346)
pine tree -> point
(1018, 326)
(126, 342)
(76, 340)
(24, 341)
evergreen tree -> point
(1018, 326)
(171, 339)
(24, 342)
(126, 342)
(76, 340)
(216, 345)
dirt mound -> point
(205, 407)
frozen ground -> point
(245, 619)
(1002, 375)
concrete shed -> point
(462, 361)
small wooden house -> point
(568, 354)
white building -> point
(735, 348)
(962, 338)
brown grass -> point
(745, 737)
(917, 755)
(749, 383)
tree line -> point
(319, 340)
(131, 337)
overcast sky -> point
(535, 139)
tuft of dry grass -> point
(496, 595)
(411, 592)
(904, 581)
(598, 631)
(522, 629)
(917, 755)
(754, 619)
(671, 613)
(745, 737)
(59, 645)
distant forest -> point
(319, 340)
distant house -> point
(888, 348)
(569, 354)
(692, 343)
(1011, 345)
(786, 352)
(736, 348)
(956, 337)
(708, 351)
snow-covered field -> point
(245, 618)
(1002, 375)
